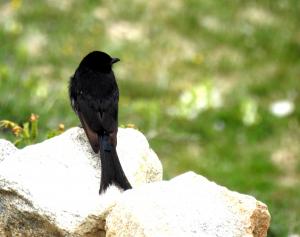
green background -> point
(198, 77)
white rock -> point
(51, 189)
(6, 149)
(188, 205)
(57, 181)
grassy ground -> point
(199, 78)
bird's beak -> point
(114, 60)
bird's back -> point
(96, 84)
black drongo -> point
(94, 97)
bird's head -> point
(98, 61)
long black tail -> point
(111, 169)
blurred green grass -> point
(197, 77)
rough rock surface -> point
(51, 188)
(188, 205)
(6, 149)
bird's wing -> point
(92, 136)
(109, 117)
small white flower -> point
(32, 43)
(197, 99)
(125, 31)
(258, 16)
(294, 235)
(282, 108)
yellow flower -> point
(33, 117)
(61, 127)
(16, 4)
(130, 125)
(16, 130)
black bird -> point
(94, 95)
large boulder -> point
(51, 189)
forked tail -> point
(111, 169)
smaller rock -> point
(6, 149)
(188, 205)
